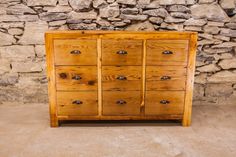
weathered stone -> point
(20, 9)
(34, 33)
(75, 17)
(228, 63)
(57, 23)
(198, 91)
(80, 4)
(83, 26)
(63, 2)
(111, 10)
(40, 50)
(8, 79)
(205, 36)
(41, 2)
(215, 90)
(134, 17)
(205, 1)
(225, 45)
(146, 26)
(17, 52)
(190, 2)
(212, 12)
(156, 20)
(233, 19)
(201, 78)
(180, 15)
(119, 24)
(143, 3)
(8, 25)
(27, 66)
(6, 39)
(4, 66)
(227, 100)
(18, 18)
(195, 22)
(171, 2)
(211, 29)
(153, 5)
(156, 12)
(52, 16)
(170, 19)
(110, 1)
(133, 11)
(209, 68)
(221, 37)
(228, 32)
(99, 3)
(15, 31)
(178, 27)
(59, 9)
(231, 25)
(128, 2)
(179, 8)
(212, 23)
(193, 28)
(223, 76)
(223, 56)
(228, 4)
(102, 22)
(217, 50)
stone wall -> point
(23, 23)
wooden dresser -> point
(120, 75)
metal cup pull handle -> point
(167, 52)
(165, 78)
(120, 102)
(122, 52)
(77, 102)
(75, 52)
(164, 102)
(121, 77)
(76, 77)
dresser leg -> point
(54, 122)
(186, 121)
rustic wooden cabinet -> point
(120, 75)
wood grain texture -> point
(155, 49)
(51, 80)
(131, 106)
(155, 77)
(190, 80)
(132, 77)
(66, 102)
(111, 47)
(153, 105)
(66, 77)
(86, 47)
(99, 69)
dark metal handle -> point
(121, 78)
(77, 102)
(76, 77)
(164, 102)
(122, 52)
(75, 52)
(167, 52)
(165, 78)
(121, 102)
(63, 75)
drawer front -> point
(76, 77)
(165, 77)
(121, 77)
(121, 52)
(164, 102)
(120, 103)
(167, 52)
(75, 52)
(77, 103)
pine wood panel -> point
(121, 77)
(154, 106)
(156, 48)
(76, 77)
(165, 77)
(111, 47)
(75, 52)
(112, 106)
(77, 103)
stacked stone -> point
(23, 23)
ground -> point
(25, 132)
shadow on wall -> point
(22, 27)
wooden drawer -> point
(167, 52)
(122, 52)
(121, 77)
(164, 102)
(121, 102)
(75, 52)
(76, 77)
(165, 77)
(77, 103)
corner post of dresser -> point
(190, 80)
(51, 79)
